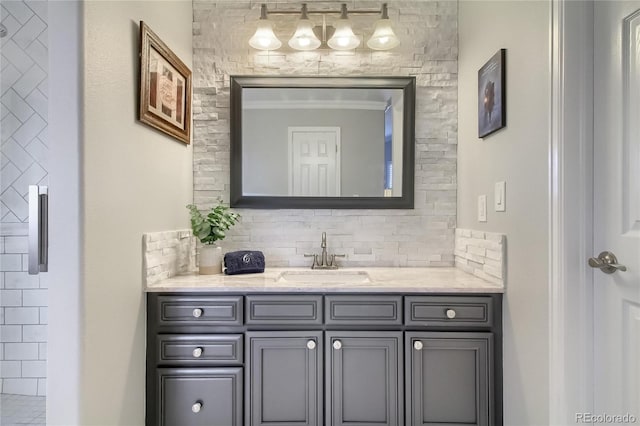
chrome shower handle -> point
(38, 229)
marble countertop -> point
(278, 280)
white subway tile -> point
(34, 369)
(10, 262)
(18, 245)
(29, 31)
(35, 297)
(10, 369)
(21, 351)
(10, 298)
(44, 315)
(10, 333)
(20, 386)
(22, 316)
(34, 333)
(21, 280)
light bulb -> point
(383, 37)
(264, 38)
(343, 38)
(304, 37)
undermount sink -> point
(325, 277)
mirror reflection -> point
(322, 142)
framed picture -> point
(165, 87)
(492, 107)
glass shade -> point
(343, 38)
(304, 37)
(383, 37)
(264, 38)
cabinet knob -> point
(417, 345)
(197, 313)
(197, 352)
(337, 344)
(451, 314)
(196, 407)
(311, 344)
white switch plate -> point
(500, 196)
(482, 208)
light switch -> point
(500, 196)
(482, 208)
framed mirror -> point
(322, 142)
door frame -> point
(571, 343)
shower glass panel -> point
(23, 162)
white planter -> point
(210, 259)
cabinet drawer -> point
(449, 311)
(199, 349)
(194, 310)
(199, 396)
(363, 310)
(291, 310)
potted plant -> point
(208, 229)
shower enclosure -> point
(23, 162)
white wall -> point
(518, 154)
(135, 180)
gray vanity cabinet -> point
(284, 380)
(199, 396)
(449, 378)
(309, 359)
(364, 378)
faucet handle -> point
(339, 255)
(309, 255)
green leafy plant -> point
(212, 227)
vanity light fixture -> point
(309, 37)
(264, 38)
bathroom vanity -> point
(389, 346)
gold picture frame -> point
(165, 88)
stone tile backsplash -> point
(167, 254)
(423, 236)
(482, 254)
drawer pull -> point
(311, 344)
(337, 345)
(197, 352)
(196, 407)
(417, 345)
(197, 313)
(451, 314)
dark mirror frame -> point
(408, 86)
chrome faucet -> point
(324, 260)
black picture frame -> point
(492, 95)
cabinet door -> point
(199, 396)
(364, 378)
(449, 379)
(284, 384)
